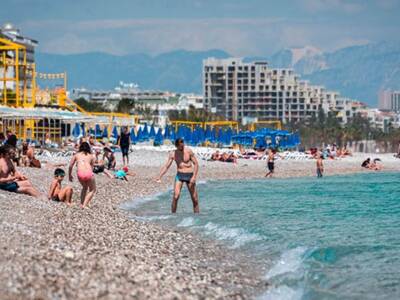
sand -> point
(51, 251)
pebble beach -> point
(51, 251)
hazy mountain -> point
(356, 72)
(175, 71)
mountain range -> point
(357, 72)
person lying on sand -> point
(122, 174)
(228, 157)
(57, 192)
(10, 179)
(372, 165)
(109, 157)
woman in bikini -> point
(84, 161)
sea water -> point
(330, 238)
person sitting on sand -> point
(109, 157)
(320, 166)
(56, 192)
(10, 179)
(187, 170)
(28, 156)
(85, 162)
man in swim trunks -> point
(271, 163)
(10, 179)
(187, 170)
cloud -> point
(347, 6)
(238, 36)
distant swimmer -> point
(320, 166)
(187, 170)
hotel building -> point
(253, 91)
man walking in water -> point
(187, 170)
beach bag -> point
(35, 163)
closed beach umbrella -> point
(166, 132)
(208, 133)
(115, 132)
(105, 132)
(152, 133)
(158, 139)
(97, 131)
(133, 136)
(145, 132)
(139, 135)
(76, 132)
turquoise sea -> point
(330, 238)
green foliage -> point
(193, 115)
(90, 106)
(324, 128)
(126, 106)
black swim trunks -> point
(125, 150)
(98, 169)
(55, 198)
(9, 187)
(271, 166)
(184, 177)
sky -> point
(240, 27)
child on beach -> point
(84, 161)
(57, 193)
(320, 166)
(122, 174)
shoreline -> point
(51, 250)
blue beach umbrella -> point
(76, 132)
(97, 130)
(105, 132)
(145, 132)
(152, 133)
(115, 132)
(158, 139)
(133, 136)
(166, 132)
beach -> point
(52, 251)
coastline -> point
(52, 251)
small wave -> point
(282, 292)
(130, 205)
(186, 222)
(289, 262)
(152, 218)
(201, 182)
(238, 236)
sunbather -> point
(10, 179)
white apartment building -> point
(242, 91)
(389, 100)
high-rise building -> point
(389, 100)
(248, 91)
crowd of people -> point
(91, 157)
